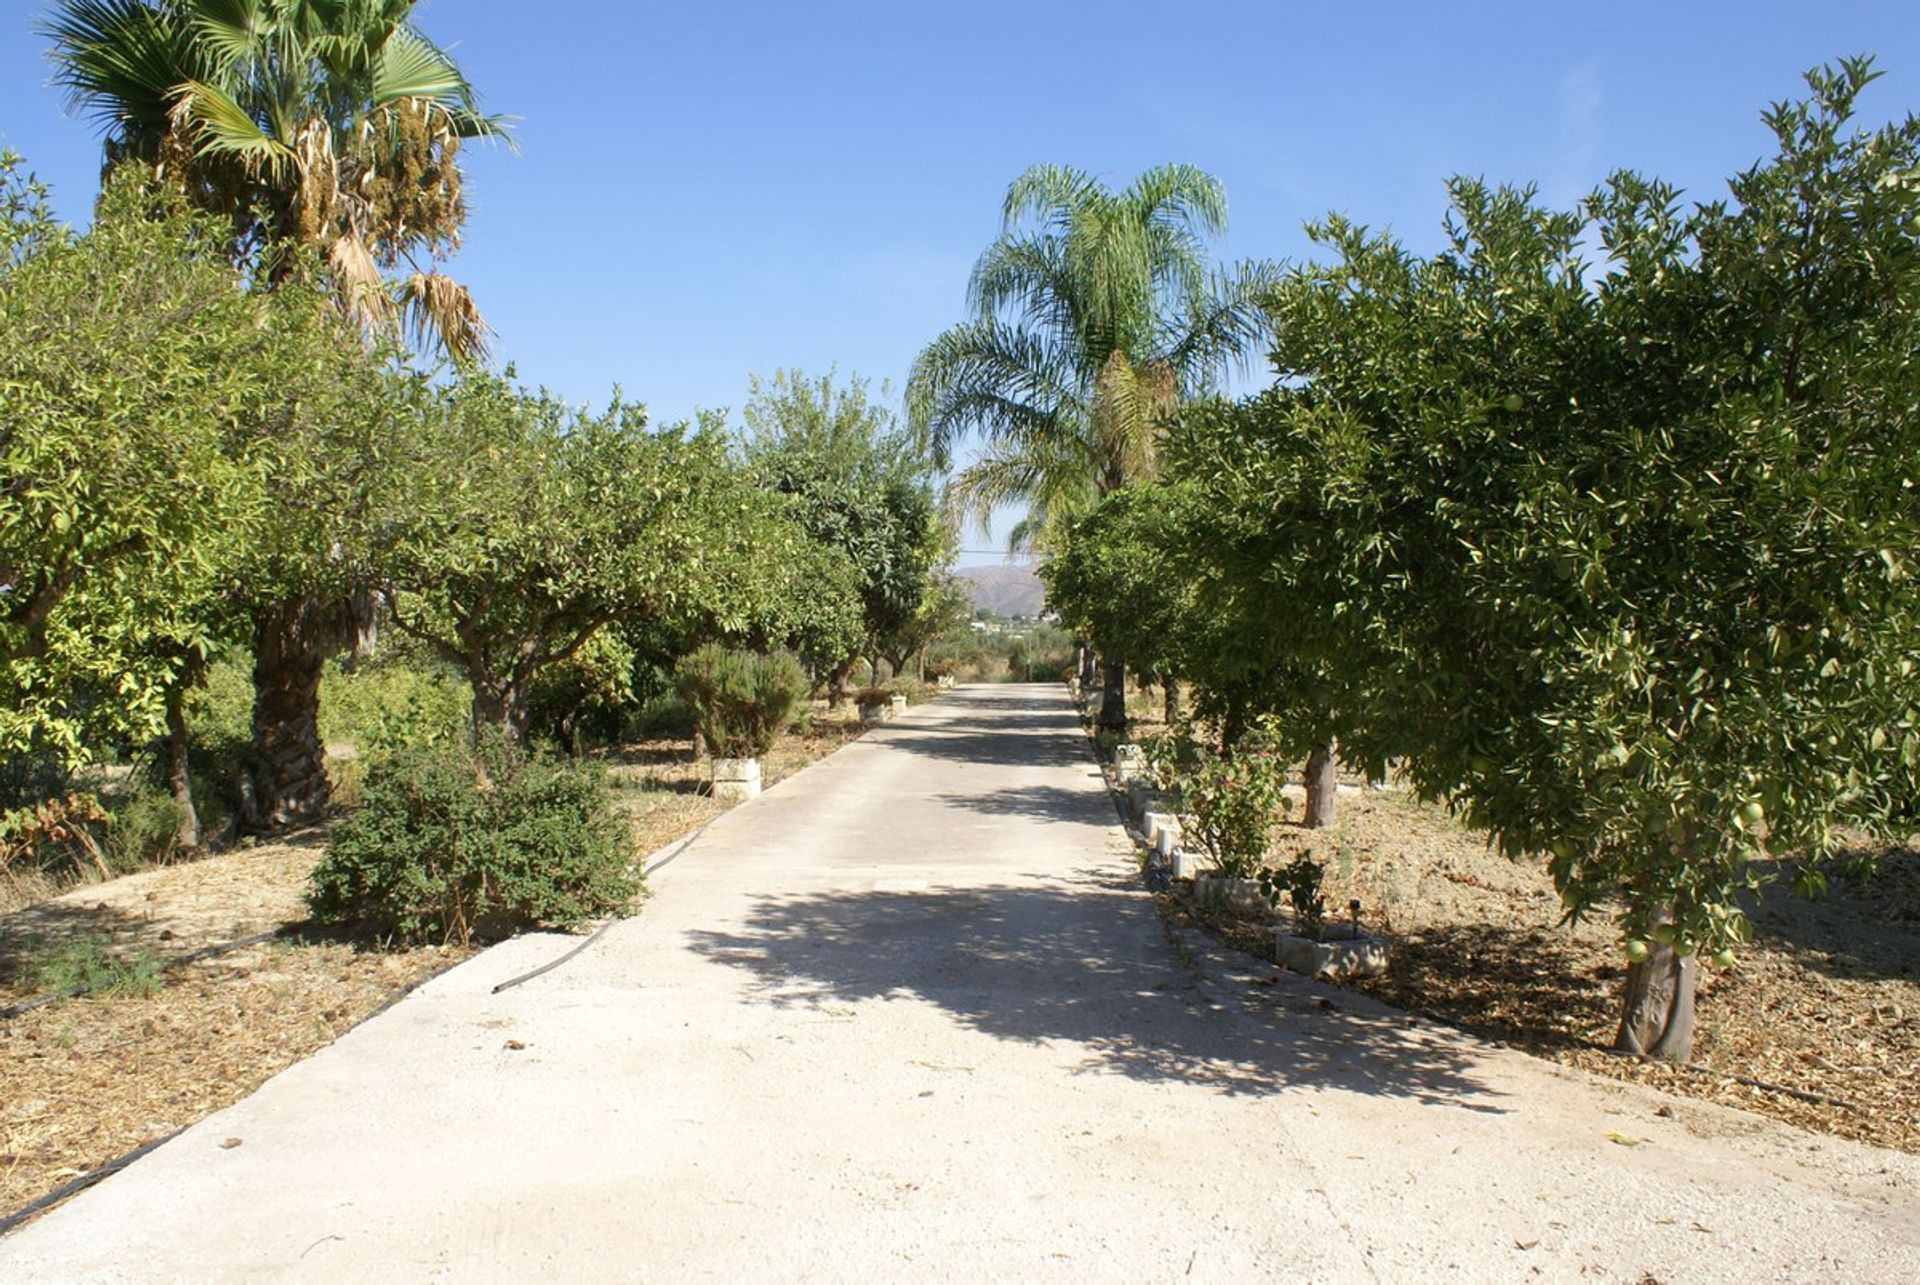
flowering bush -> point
(1231, 800)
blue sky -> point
(705, 191)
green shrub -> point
(872, 696)
(741, 699)
(913, 689)
(664, 715)
(1231, 800)
(435, 854)
(146, 827)
(402, 698)
(1299, 881)
(221, 707)
(86, 962)
(583, 697)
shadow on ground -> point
(1043, 802)
(1866, 926)
(1042, 745)
(1086, 962)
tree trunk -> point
(500, 704)
(1170, 692)
(1086, 667)
(1323, 785)
(364, 608)
(837, 693)
(1233, 721)
(186, 835)
(1113, 694)
(1656, 1019)
(287, 780)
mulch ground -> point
(85, 1080)
(1825, 1002)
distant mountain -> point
(1005, 590)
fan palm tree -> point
(327, 127)
(329, 124)
(1096, 313)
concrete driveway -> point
(907, 1016)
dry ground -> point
(85, 1080)
(1825, 1001)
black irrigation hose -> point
(180, 961)
(85, 1180)
(679, 846)
(76, 1185)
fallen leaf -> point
(1623, 1140)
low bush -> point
(145, 829)
(915, 691)
(435, 853)
(661, 716)
(741, 700)
(872, 696)
(404, 696)
(1231, 800)
(85, 963)
(1299, 881)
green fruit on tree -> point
(1636, 950)
(1662, 933)
(1724, 957)
(1511, 401)
(1752, 812)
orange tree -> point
(1635, 548)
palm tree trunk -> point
(287, 780)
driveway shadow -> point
(1042, 802)
(1087, 962)
(1053, 744)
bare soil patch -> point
(85, 1080)
(1825, 1001)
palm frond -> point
(219, 126)
(120, 61)
(409, 65)
(1226, 324)
(1028, 274)
(1048, 192)
(439, 310)
(230, 31)
(987, 376)
(361, 289)
(1180, 195)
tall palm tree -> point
(1096, 313)
(330, 124)
(331, 127)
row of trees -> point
(219, 436)
(193, 467)
(1615, 557)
